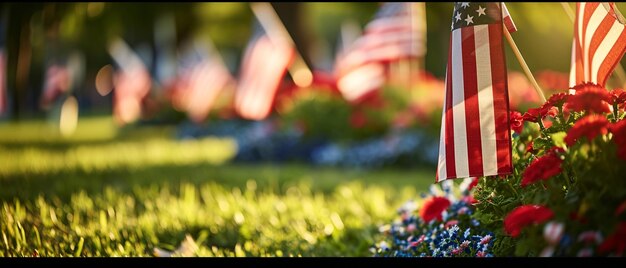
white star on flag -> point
(481, 11)
(469, 19)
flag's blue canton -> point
(475, 13)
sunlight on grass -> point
(221, 220)
(108, 192)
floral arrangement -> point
(566, 196)
(443, 226)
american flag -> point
(475, 138)
(56, 83)
(132, 83)
(599, 43)
(389, 37)
(264, 64)
(202, 77)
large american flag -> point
(202, 77)
(389, 37)
(263, 67)
(475, 137)
(599, 43)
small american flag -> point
(56, 83)
(202, 77)
(599, 43)
(389, 37)
(132, 83)
(264, 65)
(475, 137)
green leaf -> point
(559, 139)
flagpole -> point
(619, 69)
(275, 29)
(523, 63)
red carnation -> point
(542, 168)
(590, 97)
(618, 96)
(433, 207)
(525, 215)
(517, 121)
(536, 114)
(619, 136)
(589, 126)
(616, 242)
(473, 184)
(556, 100)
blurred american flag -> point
(201, 78)
(389, 37)
(263, 67)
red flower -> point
(525, 215)
(553, 80)
(433, 207)
(619, 136)
(536, 114)
(542, 168)
(577, 217)
(529, 148)
(517, 121)
(451, 223)
(620, 209)
(590, 97)
(618, 96)
(556, 100)
(469, 200)
(473, 184)
(358, 119)
(589, 126)
(616, 242)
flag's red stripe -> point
(500, 99)
(587, 13)
(612, 59)
(597, 38)
(449, 139)
(472, 113)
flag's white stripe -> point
(572, 69)
(485, 100)
(361, 80)
(458, 106)
(595, 20)
(505, 14)
(581, 15)
(605, 47)
(441, 173)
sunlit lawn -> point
(109, 192)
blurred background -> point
(153, 121)
(36, 36)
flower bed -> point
(566, 196)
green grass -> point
(109, 192)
